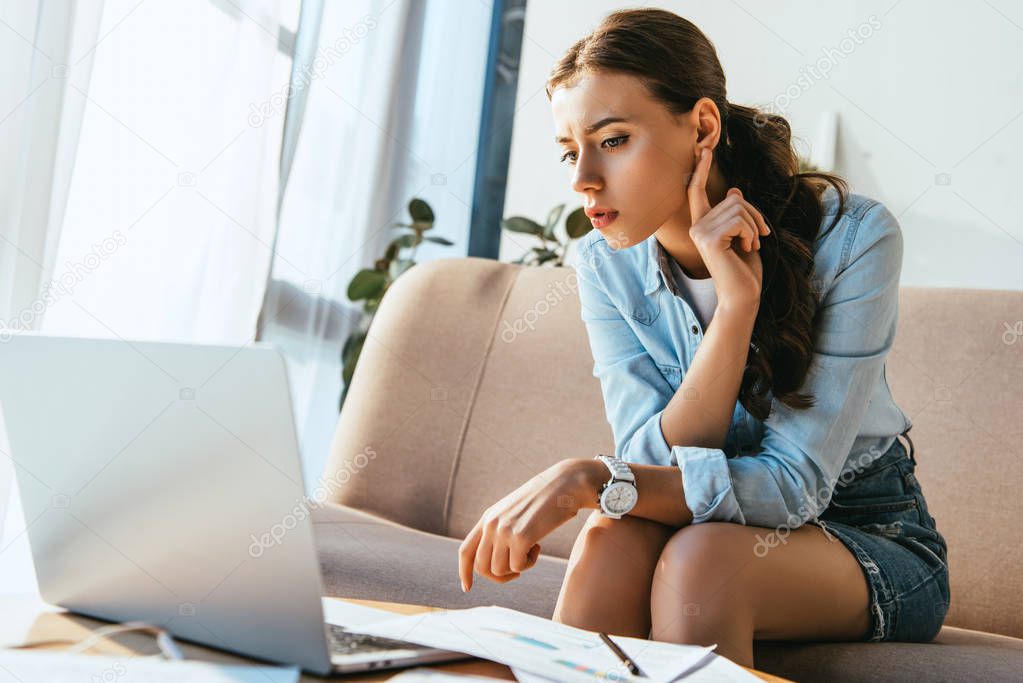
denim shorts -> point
(880, 514)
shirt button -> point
(695, 329)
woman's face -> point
(638, 167)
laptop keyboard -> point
(344, 642)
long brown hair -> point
(679, 65)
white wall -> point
(933, 94)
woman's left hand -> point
(505, 541)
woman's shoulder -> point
(850, 205)
(852, 220)
(864, 235)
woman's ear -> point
(707, 124)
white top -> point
(700, 294)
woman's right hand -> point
(736, 270)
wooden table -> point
(27, 619)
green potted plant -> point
(370, 284)
(551, 250)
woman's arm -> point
(700, 412)
(715, 377)
(659, 486)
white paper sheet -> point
(540, 646)
(23, 666)
(352, 614)
(717, 670)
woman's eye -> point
(619, 141)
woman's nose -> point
(586, 178)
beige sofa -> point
(477, 375)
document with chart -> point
(540, 646)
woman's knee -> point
(701, 559)
(601, 535)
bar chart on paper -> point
(540, 646)
(567, 642)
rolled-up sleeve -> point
(791, 478)
(634, 390)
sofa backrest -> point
(956, 369)
(477, 375)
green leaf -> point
(409, 240)
(420, 212)
(399, 266)
(545, 256)
(352, 347)
(349, 366)
(439, 240)
(367, 284)
(392, 251)
(577, 224)
(522, 224)
(552, 220)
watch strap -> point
(620, 470)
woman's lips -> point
(602, 220)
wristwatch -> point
(618, 495)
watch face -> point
(619, 497)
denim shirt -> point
(782, 470)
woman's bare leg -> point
(610, 571)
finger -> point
(696, 190)
(736, 222)
(493, 570)
(761, 224)
(522, 558)
(499, 569)
(484, 555)
(764, 228)
(739, 201)
(467, 556)
(499, 563)
(753, 238)
(754, 230)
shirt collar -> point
(658, 268)
(653, 269)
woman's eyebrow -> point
(594, 127)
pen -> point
(621, 655)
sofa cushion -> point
(955, 655)
(368, 557)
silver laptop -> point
(161, 482)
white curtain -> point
(174, 194)
(393, 111)
(143, 200)
(46, 49)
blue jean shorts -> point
(880, 514)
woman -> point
(772, 499)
